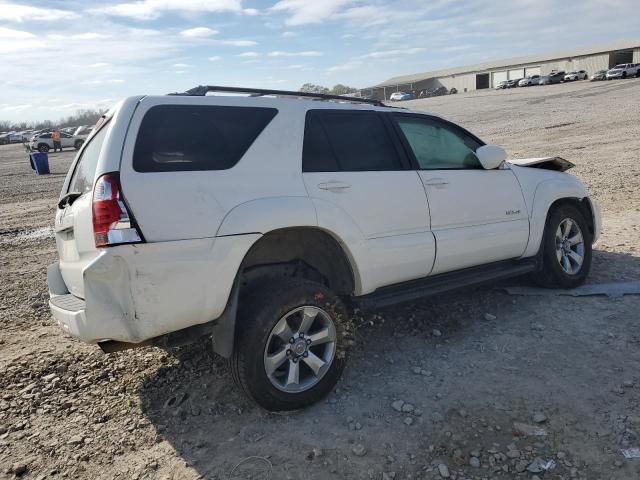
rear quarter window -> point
(190, 138)
(85, 170)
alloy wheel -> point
(300, 349)
(569, 246)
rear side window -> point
(84, 175)
(347, 141)
(178, 138)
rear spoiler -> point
(549, 163)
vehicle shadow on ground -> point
(194, 405)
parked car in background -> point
(513, 83)
(400, 96)
(15, 137)
(4, 138)
(599, 75)
(576, 75)
(556, 77)
(529, 81)
(501, 85)
(43, 142)
(81, 134)
(624, 70)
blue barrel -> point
(40, 162)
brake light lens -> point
(111, 222)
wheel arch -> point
(304, 252)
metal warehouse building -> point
(489, 74)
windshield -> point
(619, 66)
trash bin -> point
(40, 162)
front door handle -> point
(333, 186)
(436, 182)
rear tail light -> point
(111, 222)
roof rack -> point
(202, 90)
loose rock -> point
(359, 450)
(444, 470)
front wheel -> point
(566, 249)
(43, 148)
(291, 344)
(78, 144)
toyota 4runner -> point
(263, 220)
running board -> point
(424, 287)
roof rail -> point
(202, 90)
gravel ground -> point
(472, 385)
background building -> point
(489, 74)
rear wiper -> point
(68, 199)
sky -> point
(60, 56)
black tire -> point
(43, 148)
(78, 144)
(257, 317)
(552, 274)
(624, 74)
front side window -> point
(347, 141)
(436, 145)
(193, 138)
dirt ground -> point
(473, 385)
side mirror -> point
(491, 156)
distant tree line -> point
(338, 89)
(80, 117)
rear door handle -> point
(436, 182)
(333, 186)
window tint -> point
(84, 175)
(347, 140)
(188, 138)
(46, 135)
(437, 145)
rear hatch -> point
(74, 219)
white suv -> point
(43, 142)
(262, 220)
(624, 70)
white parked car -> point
(400, 96)
(624, 70)
(43, 142)
(529, 81)
(576, 75)
(261, 220)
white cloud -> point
(100, 65)
(289, 34)
(90, 36)
(302, 12)
(249, 54)
(345, 66)
(198, 32)
(307, 53)
(16, 108)
(152, 9)
(348, 35)
(239, 43)
(14, 12)
(251, 11)
(180, 65)
(11, 34)
(395, 53)
(215, 58)
(295, 67)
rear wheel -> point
(78, 144)
(43, 148)
(291, 344)
(566, 249)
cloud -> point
(302, 12)
(215, 58)
(249, 54)
(239, 43)
(100, 65)
(89, 36)
(307, 53)
(251, 11)
(198, 32)
(14, 12)
(395, 53)
(296, 67)
(11, 34)
(289, 34)
(152, 9)
(180, 65)
(344, 67)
